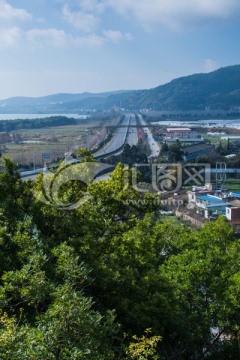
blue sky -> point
(53, 46)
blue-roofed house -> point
(234, 194)
(210, 205)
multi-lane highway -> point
(114, 145)
(124, 134)
(154, 146)
(117, 141)
(132, 136)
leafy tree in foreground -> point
(206, 277)
(72, 282)
(69, 328)
(14, 196)
(144, 348)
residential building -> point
(210, 205)
(233, 212)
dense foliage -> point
(89, 282)
(38, 123)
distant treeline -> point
(52, 121)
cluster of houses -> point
(206, 203)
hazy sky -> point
(52, 46)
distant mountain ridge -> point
(58, 103)
(217, 90)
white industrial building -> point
(183, 134)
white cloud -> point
(10, 34)
(92, 6)
(210, 65)
(174, 13)
(80, 20)
(59, 38)
(10, 37)
(91, 40)
(84, 20)
(51, 36)
(14, 37)
(8, 13)
(129, 37)
(116, 36)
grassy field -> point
(214, 140)
(232, 184)
(170, 218)
(55, 140)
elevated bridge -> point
(132, 126)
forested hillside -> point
(217, 90)
(78, 279)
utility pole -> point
(34, 160)
(220, 174)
